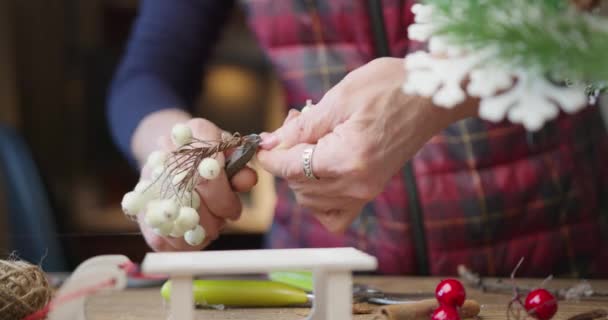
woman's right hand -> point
(219, 199)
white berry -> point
(160, 212)
(164, 229)
(157, 172)
(187, 219)
(177, 232)
(178, 178)
(170, 209)
(157, 158)
(209, 168)
(196, 236)
(142, 185)
(181, 135)
(154, 215)
(148, 190)
(132, 203)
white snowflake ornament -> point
(486, 82)
(423, 13)
(424, 27)
(533, 101)
(506, 92)
(440, 78)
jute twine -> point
(24, 289)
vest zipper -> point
(376, 17)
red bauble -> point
(541, 304)
(445, 313)
(450, 292)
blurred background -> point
(61, 176)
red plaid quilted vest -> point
(489, 194)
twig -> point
(186, 159)
(577, 291)
(515, 305)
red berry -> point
(445, 313)
(541, 304)
(450, 292)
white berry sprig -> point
(168, 200)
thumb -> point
(307, 127)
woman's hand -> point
(219, 200)
(363, 131)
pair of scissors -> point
(278, 293)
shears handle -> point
(241, 155)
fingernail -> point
(269, 141)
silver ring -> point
(307, 159)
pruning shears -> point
(282, 289)
(242, 154)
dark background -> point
(56, 61)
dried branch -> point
(183, 163)
(580, 290)
(515, 306)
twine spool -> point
(24, 289)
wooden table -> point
(147, 303)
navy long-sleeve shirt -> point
(162, 67)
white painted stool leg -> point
(182, 299)
(333, 295)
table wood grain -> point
(140, 304)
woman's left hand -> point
(362, 131)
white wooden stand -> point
(332, 273)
